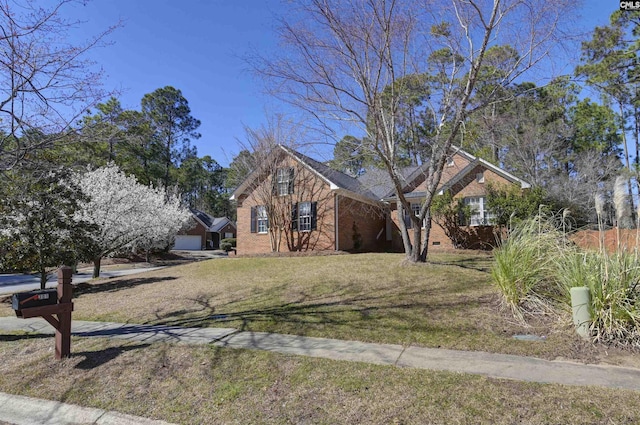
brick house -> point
(465, 177)
(205, 232)
(295, 203)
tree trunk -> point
(636, 135)
(406, 241)
(96, 267)
(427, 233)
(43, 278)
(626, 158)
(414, 257)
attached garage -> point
(188, 242)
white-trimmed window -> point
(259, 219)
(284, 181)
(480, 215)
(304, 216)
(415, 210)
(480, 177)
(262, 219)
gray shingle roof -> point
(338, 178)
(213, 224)
(375, 183)
(205, 218)
(377, 180)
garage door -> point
(188, 242)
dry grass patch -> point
(204, 384)
(447, 303)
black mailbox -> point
(34, 299)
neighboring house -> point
(295, 203)
(205, 232)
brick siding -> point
(308, 187)
(475, 237)
(361, 226)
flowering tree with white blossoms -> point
(170, 219)
(127, 214)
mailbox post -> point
(46, 309)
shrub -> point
(231, 241)
(227, 244)
(536, 268)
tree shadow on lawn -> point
(479, 264)
(93, 359)
(397, 312)
(19, 337)
(115, 285)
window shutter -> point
(254, 220)
(294, 217)
(407, 221)
(274, 184)
(462, 218)
(314, 215)
(291, 176)
(405, 216)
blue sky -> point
(197, 46)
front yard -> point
(448, 303)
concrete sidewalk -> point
(502, 366)
(19, 410)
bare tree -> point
(47, 82)
(261, 165)
(290, 196)
(347, 61)
(282, 186)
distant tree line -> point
(565, 144)
(82, 178)
(154, 144)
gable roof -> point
(335, 179)
(212, 224)
(410, 175)
(377, 180)
(205, 219)
(473, 163)
(375, 185)
(219, 223)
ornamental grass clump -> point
(537, 267)
(615, 295)
(614, 299)
(612, 278)
(523, 269)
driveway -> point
(10, 283)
